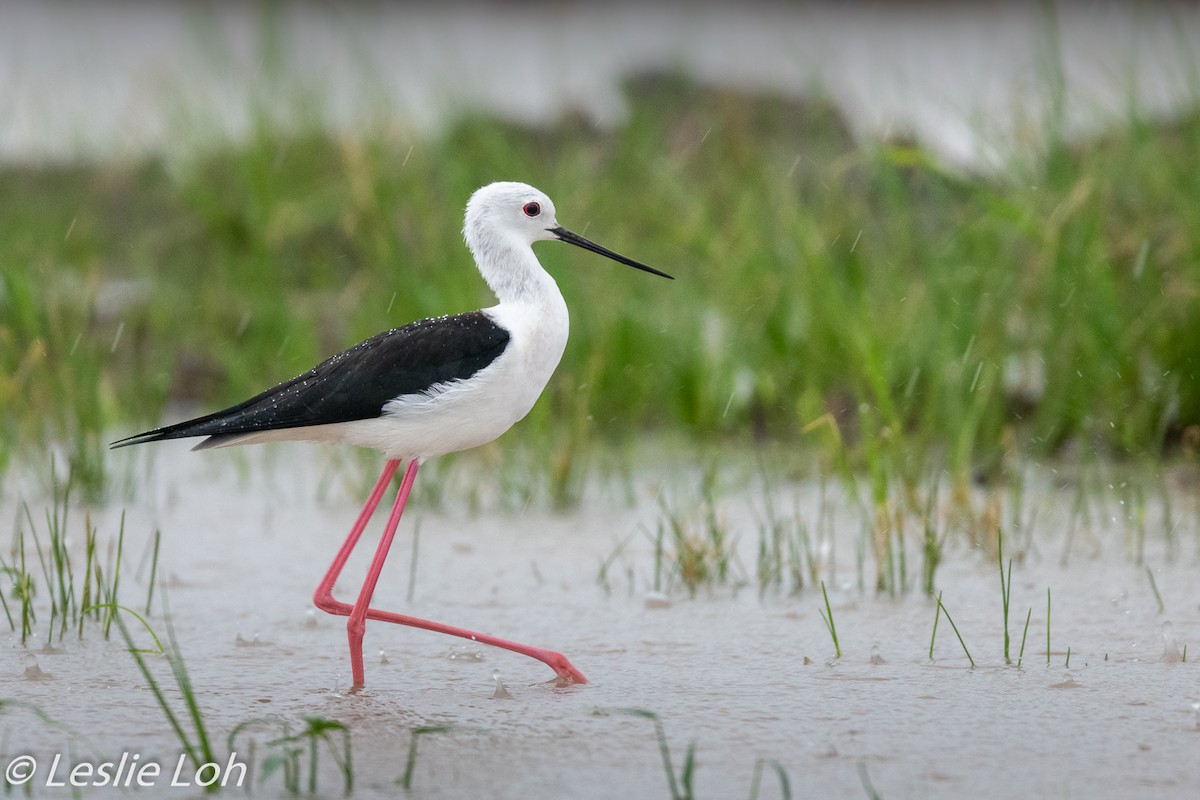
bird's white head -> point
(515, 213)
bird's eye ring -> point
(532, 209)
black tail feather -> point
(180, 430)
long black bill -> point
(565, 235)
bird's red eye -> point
(532, 209)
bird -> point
(428, 388)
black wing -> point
(356, 383)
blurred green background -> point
(856, 300)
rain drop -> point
(1068, 682)
(33, 671)
(1170, 646)
(254, 641)
(463, 653)
(501, 692)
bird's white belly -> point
(456, 416)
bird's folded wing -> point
(356, 383)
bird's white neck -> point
(531, 307)
(511, 269)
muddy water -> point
(246, 538)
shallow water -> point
(742, 677)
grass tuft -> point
(72, 603)
(695, 549)
(289, 750)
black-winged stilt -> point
(431, 387)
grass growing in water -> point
(1154, 588)
(941, 609)
(1005, 588)
(1024, 635)
(410, 764)
(199, 749)
(1047, 626)
(695, 549)
(785, 552)
(72, 602)
(830, 625)
(289, 750)
(785, 787)
(865, 778)
(680, 786)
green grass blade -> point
(829, 623)
(185, 741)
(1047, 626)
(179, 670)
(678, 791)
(410, 765)
(153, 569)
(956, 633)
(1024, 634)
(937, 615)
(1154, 588)
(785, 787)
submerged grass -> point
(865, 778)
(681, 785)
(932, 314)
(785, 786)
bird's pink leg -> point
(361, 611)
(356, 626)
(323, 596)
